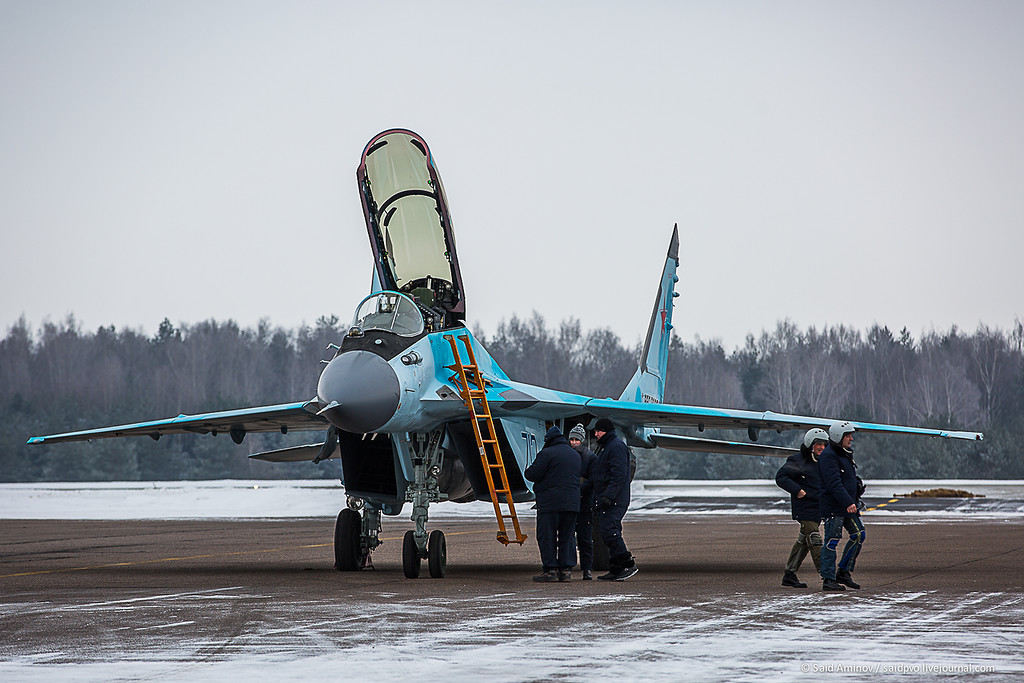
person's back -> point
(556, 476)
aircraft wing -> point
(691, 444)
(299, 416)
(668, 415)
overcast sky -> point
(826, 162)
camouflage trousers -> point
(809, 541)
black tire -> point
(437, 554)
(410, 556)
(600, 549)
(348, 552)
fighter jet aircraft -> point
(417, 410)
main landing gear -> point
(356, 535)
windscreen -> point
(391, 312)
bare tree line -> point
(59, 378)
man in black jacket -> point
(839, 496)
(799, 476)
(556, 477)
(585, 520)
(611, 491)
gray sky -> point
(826, 162)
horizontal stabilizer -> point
(304, 453)
(693, 444)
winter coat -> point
(587, 460)
(800, 471)
(838, 474)
(556, 475)
(611, 471)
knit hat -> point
(604, 425)
(578, 432)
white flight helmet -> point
(816, 434)
(838, 430)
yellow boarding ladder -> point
(468, 377)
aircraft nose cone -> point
(365, 388)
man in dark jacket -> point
(839, 496)
(611, 491)
(799, 476)
(556, 483)
(585, 520)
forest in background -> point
(60, 378)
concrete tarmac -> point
(94, 592)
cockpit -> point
(390, 312)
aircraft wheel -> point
(437, 554)
(410, 556)
(348, 552)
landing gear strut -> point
(356, 535)
(416, 546)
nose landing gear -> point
(423, 491)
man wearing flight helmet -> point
(840, 492)
(799, 475)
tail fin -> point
(648, 384)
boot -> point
(546, 577)
(622, 570)
(789, 579)
(627, 572)
(831, 585)
(565, 575)
(843, 577)
(614, 569)
(587, 575)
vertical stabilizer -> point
(648, 384)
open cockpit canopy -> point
(407, 217)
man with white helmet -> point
(839, 495)
(799, 476)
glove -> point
(605, 503)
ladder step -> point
(467, 377)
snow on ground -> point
(530, 636)
(240, 499)
(523, 636)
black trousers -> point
(556, 537)
(609, 525)
(585, 531)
